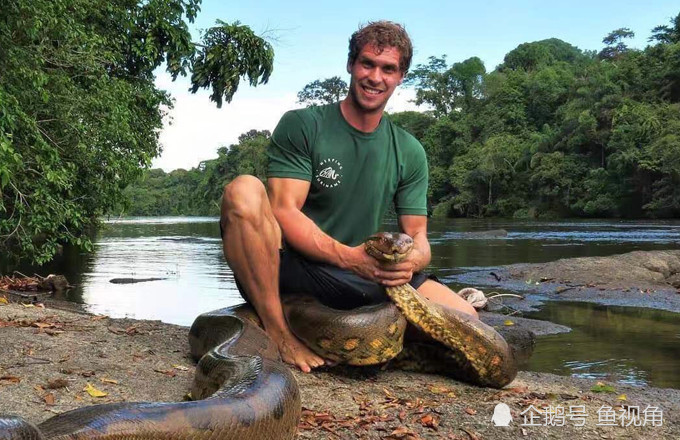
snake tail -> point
(248, 395)
(469, 349)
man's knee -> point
(243, 198)
(442, 295)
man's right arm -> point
(286, 197)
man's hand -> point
(382, 272)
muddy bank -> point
(48, 357)
(641, 279)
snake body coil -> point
(247, 393)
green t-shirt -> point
(354, 176)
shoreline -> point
(54, 354)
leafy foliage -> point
(555, 131)
(319, 92)
(79, 112)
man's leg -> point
(251, 240)
(444, 296)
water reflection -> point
(453, 250)
(624, 344)
(188, 254)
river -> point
(186, 252)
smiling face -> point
(375, 75)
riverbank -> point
(55, 360)
(648, 279)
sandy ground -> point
(50, 357)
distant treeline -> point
(197, 191)
(553, 131)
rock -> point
(521, 341)
(54, 283)
(674, 280)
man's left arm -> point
(396, 274)
(411, 205)
(416, 227)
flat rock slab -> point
(149, 361)
(638, 279)
(642, 269)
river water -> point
(607, 342)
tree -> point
(416, 123)
(79, 112)
(319, 92)
(534, 55)
(667, 34)
(615, 45)
(447, 89)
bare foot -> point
(295, 352)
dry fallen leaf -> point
(92, 391)
(429, 421)
(180, 367)
(49, 398)
(519, 390)
(508, 323)
(471, 411)
(132, 330)
(623, 397)
(57, 383)
(3, 300)
(9, 379)
(403, 433)
(105, 380)
(27, 305)
(438, 389)
(169, 373)
(472, 435)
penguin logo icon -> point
(501, 415)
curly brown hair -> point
(382, 34)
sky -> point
(310, 42)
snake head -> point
(389, 246)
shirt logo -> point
(329, 174)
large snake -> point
(242, 390)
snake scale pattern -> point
(242, 390)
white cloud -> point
(401, 101)
(198, 128)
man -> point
(333, 172)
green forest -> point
(80, 114)
(554, 131)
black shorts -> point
(332, 286)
